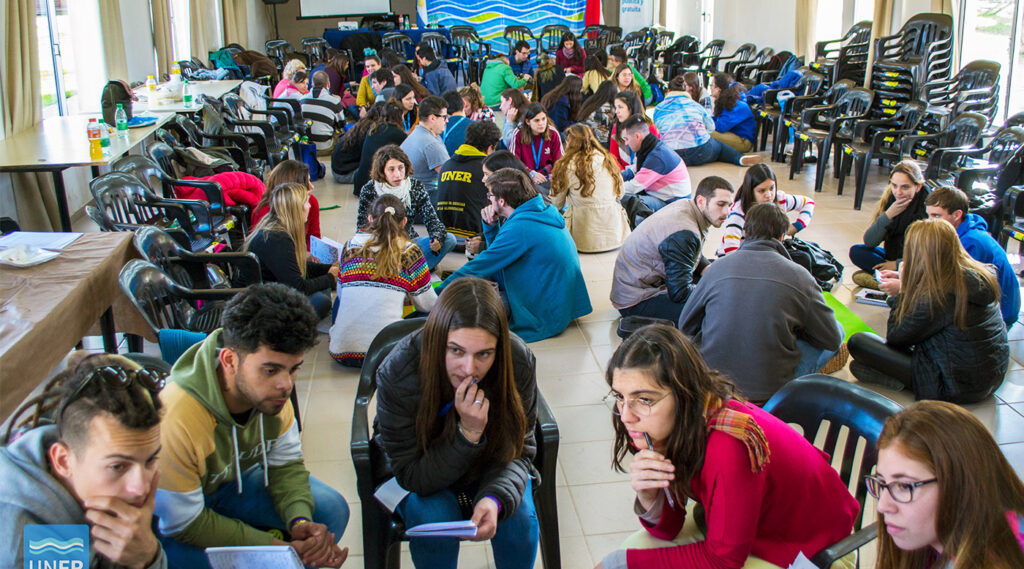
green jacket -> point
(645, 87)
(498, 76)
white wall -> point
(138, 40)
(765, 24)
(683, 17)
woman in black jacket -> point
(946, 339)
(345, 157)
(279, 242)
(456, 409)
(388, 130)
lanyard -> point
(450, 128)
(407, 121)
(632, 155)
(536, 154)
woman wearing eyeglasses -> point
(456, 409)
(765, 492)
(947, 497)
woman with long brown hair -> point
(764, 489)
(456, 408)
(598, 112)
(387, 130)
(563, 102)
(380, 269)
(623, 78)
(473, 105)
(278, 242)
(405, 96)
(947, 497)
(626, 104)
(404, 76)
(734, 121)
(297, 172)
(537, 143)
(596, 72)
(946, 338)
(512, 104)
(586, 182)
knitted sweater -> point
(419, 206)
(574, 65)
(370, 302)
(661, 172)
(737, 218)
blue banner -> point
(490, 17)
(57, 546)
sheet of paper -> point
(254, 557)
(390, 494)
(40, 239)
(325, 249)
(802, 562)
(463, 528)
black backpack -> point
(115, 93)
(822, 265)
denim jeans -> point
(321, 301)
(660, 306)
(710, 151)
(811, 358)
(514, 544)
(866, 257)
(255, 507)
(434, 258)
(655, 203)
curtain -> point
(942, 6)
(236, 22)
(881, 26)
(113, 39)
(162, 35)
(806, 21)
(21, 108)
(198, 16)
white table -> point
(212, 89)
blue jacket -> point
(739, 121)
(535, 260)
(559, 113)
(979, 244)
(524, 68)
(438, 79)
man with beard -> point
(231, 465)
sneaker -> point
(865, 279)
(750, 160)
(838, 361)
(867, 374)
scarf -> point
(742, 427)
(650, 141)
(897, 230)
(400, 191)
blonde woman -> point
(279, 242)
(287, 75)
(946, 338)
(587, 183)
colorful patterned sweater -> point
(737, 218)
(369, 302)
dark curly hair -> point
(270, 314)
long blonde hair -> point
(388, 244)
(934, 266)
(580, 147)
(910, 169)
(286, 215)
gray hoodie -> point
(32, 495)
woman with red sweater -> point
(537, 144)
(290, 171)
(626, 104)
(765, 491)
(570, 55)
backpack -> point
(308, 155)
(822, 265)
(116, 93)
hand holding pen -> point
(650, 473)
(472, 405)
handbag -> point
(115, 93)
(821, 263)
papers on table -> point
(254, 557)
(463, 528)
(39, 239)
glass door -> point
(988, 30)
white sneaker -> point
(750, 160)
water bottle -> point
(104, 138)
(92, 130)
(186, 94)
(175, 72)
(121, 118)
(150, 84)
(401, 22)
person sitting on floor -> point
(734, 121)
(346, 155)
(287, 76)
(391, 174)
(513, 104)
(598, 112)
(529, 248)
(659, 176)
(760, 186)
(627, 104)
(570, 54)
(616, 57)
(952, 205)
(94, 464)
(473, 104)
(946, 338)
(383, 84)
(365, 96)
(596, 72)
(386, 130)
(935, 458)
(901, 204)
(520, 62)
(537, 143)
(767, 494)
(424, 145)
(437, 78)
(563, 102)
(380, 269)
(661, 260)
(455, 129)
(586, 184)
(231, 454)
(497, 77)
(327, 107)
(759, 294)
(461, 193)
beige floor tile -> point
(605, 508)
(601, 333)
(568, 517)
(584, 423)
(565, 361)
(603, 544)
(571, 337)
(568, 390)
(574, 553)
(589, 463)
(1012, 389)
(471, 556)
(338, 474)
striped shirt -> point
(734, 223)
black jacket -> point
(384, 135)
(278, 264)
(949, 363)
(461, 193)
(453, 463)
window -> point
(71, 66)
(990, 28)
(828, 24)
(182, 45)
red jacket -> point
(548, 150)
(239, 188)
(574, 66)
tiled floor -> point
(595, 502)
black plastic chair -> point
(267, 142)
(382, 531)
(187, 133)
(743, 54)
(105, 223)
(829, 125)
(402, 44)
(471, 51)
(846, 57)
(164, 303)
(515, 34)
(195, 270)
(816, 402)
(8, 225)
(974, 88)
(315, 49)
(279, 51)
(771, 116)
(550, 38)
(962, 134)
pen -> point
(668, 495)
(448, 406)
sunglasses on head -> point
(114, 377)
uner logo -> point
(56, 547)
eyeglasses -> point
(640, 406)
(443, 117)
(115, 378)
(490, 195)
(901, 492)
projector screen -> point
(328, 8)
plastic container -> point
(92, 131)
(187, 96)
(121, 118)
(151, 84)
(104, 137)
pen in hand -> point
(668, 495)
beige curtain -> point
(162, 35)
(22, 108)
(881, 26)
(806, 21)
(198, 16)
(942, 6)
(113, 39)
(236, 22)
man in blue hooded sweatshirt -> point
(531, 255)
(951, 204)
